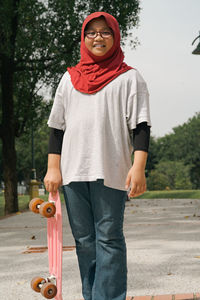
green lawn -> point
(23, 202)
(181, 194)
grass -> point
(23, 202)
(174, 194)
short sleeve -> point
(137, 108)
(57, 115)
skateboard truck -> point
(45, 286)
(46, 209)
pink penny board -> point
(55, 243)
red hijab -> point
(93, 72)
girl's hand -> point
(136, 177)
(53, 180)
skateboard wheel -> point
(49, 290)
(47, 209)
(35, 283)
(34, 205)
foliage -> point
(169, 175)
(24, 161)
(152, 159)
(178, 150)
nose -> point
(98, 37)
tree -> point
(24, 153)
(187, 139)
(38, 40)
(169, 174)
(183, 145)
(152, 159)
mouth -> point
(99, 46)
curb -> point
(166, 297)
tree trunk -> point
(9, 172)
(8, 137)
(8, 125)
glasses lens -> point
(91, 34)
(106, 34)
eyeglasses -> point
(103, 34)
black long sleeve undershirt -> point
(139, 138)
(55, 141)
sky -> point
(164, 58)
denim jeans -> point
(96, 215)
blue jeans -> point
(96, 215)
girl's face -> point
(99, 45)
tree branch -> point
(33, 68)
(43, 59)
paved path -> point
(163, 248)
(167, 297)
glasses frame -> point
(98, 33)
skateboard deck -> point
(51, 287)
(54, 237)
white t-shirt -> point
(96, 142)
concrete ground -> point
(163, 248)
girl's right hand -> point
(52, 180)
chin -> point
(99, 54)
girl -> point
(99, 116)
